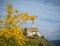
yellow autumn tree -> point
(11, 28)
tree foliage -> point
(11, 28)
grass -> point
(3, 42)
(32, 42)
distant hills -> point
(56, 42)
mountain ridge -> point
(56, 42)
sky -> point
(48, 12)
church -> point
(32, 31)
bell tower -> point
(33, 24)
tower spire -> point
(33, 25)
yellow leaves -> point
(9, 5)
(1, 21)
(16, 10)
(15, 32)
(0, 33)
(33, 17)
(5, 29)
(10, 11)
(9, 18)
(18, 36)
(26, 16)
(11, 30)
(20, 16)
(6, 33)
(19, 40)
